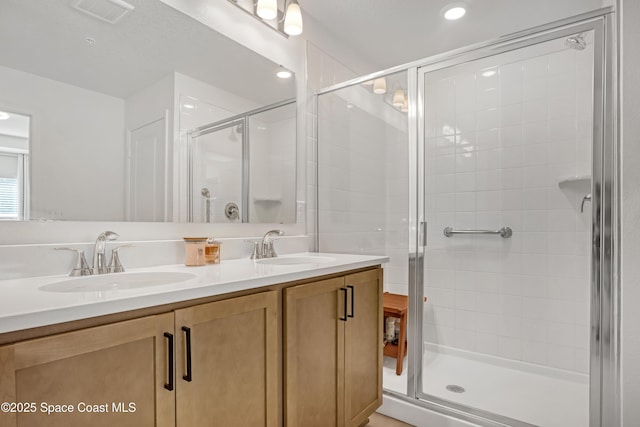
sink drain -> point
(455, 388)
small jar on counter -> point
(212, 251)
(194, 251)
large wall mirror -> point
(114, 111)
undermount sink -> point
(296, 260)
(117, 281)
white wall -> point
(149, 105)
(272, 166)
(629, 15)
(70, 126)
(496, 149)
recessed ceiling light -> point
(189, 106)
(488, 73)
(4, 116)
(454, 11)
(283, 73)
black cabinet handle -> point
(169, 337)
(187, 331)
(353, 298)
(344, 318)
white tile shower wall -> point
(499, 137)
(362, 157)
(322, 71)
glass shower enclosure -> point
(485, 177)
(242, 168)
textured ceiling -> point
(392, 32)
(48, 39)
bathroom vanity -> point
(294, 342)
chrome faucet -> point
(267, 243)
(264, 249)
(99, 263)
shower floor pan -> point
(535, 394)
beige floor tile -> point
(377, 420)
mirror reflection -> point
(132, 114)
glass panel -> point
(363, 186)
(508, 143)
(217, 175)
(272, 160)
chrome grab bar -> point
(504, 232)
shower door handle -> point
(423, 234)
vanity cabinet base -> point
(104, 376)
(333, 351)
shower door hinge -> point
(423, 233)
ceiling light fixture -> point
(267, 9)
(293, 19)
(488, 73)
(283, 73)
(284, 16)
(4, 116)
(454, 11)
(380, 86)
(398, 98)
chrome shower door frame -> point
(239, 119)
(604, 401)
(605, 319)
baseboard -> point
(416, 415)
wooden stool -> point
(396, 306)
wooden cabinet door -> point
(233, 355)
(363, 346)
(109, 366)
(314, 354)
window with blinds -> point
(12, 180)
(9, 198)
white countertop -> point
(24, 305)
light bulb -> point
(283, 73)
(293, 19)
(398, 98)
(267, 9)
(454, 13)
(380, 86)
